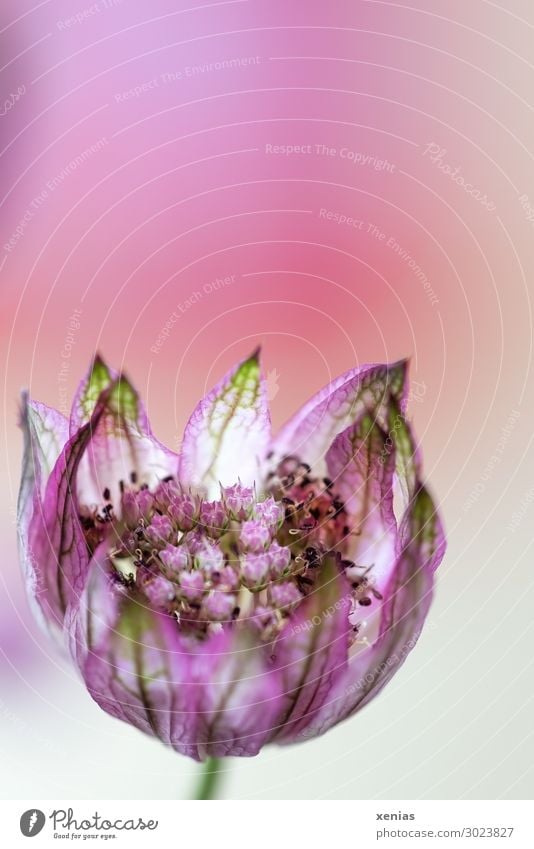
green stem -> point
(209, 779)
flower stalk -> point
(210, 780)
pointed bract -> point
(311, 431)
(228, 434)
(122, 445)
(361, 465)
(98, 378)
(45, 432)
(55, 537)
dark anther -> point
(315, 512)
(106, 494)
(144, 486)
(338, 506)
(312, 557)
(365, 602)
(133, 477)
(168, 478)
(347, 564)
(235, 612)
(286, 500)
(327, 482)
(305, 466)
(121, 486)
(302, 580)
(87, 522)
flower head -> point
(253, 589)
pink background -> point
(177, 185)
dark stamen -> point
(106, 494)
(302, 580)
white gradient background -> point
(181, 192)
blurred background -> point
(341, 182)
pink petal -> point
(311, 654)
(122, 445)
(310, 432)
(55, 541)
(407, 600)
(238, 695)
(214, 698)
(45, 433)
(228, 433)
(361, 465)
(133, 661)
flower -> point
(253, 589)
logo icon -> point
(272, 384)
(32, 822)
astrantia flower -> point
(253, 589)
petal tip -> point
(24, 400)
